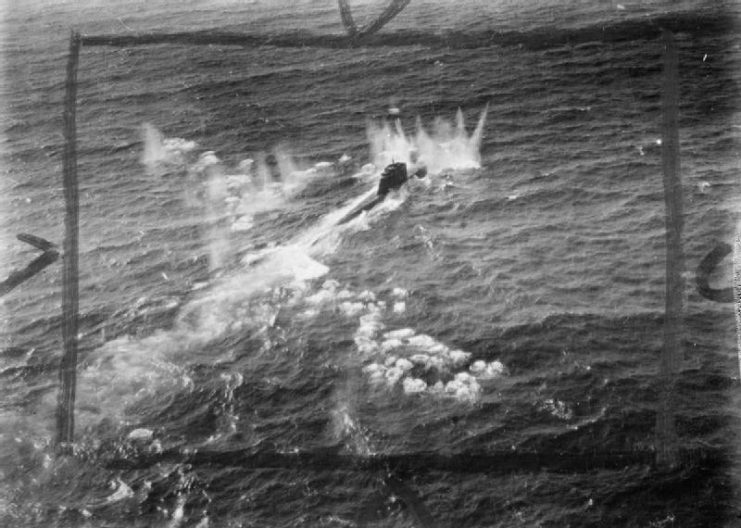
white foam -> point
(402, 333)
(246, 166)
(372, 368)
(123, 491)
(376, 373)
(428, 344)
(484, 370)
(414, 385)
(422, 350)
(309, 313)
(390, 344)
(140, 435)
(179, 511)
(404, 364)
(478, 366)
(400, 307)
(321, 297)
(366, 345)
(330, 285)
(242, 223)
(393, 375)
(557, 408)
(495, 369)
(437, 388)
(464, 387)
(458, 357)
(367, 296)
(464, 377)
(420, 359)
(399, 293)
(288, 262)
(351, 309)
(324, 168)
(370, 325)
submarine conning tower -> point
(393, 177)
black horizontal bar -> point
(542, 38)
(504, 462)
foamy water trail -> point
(128, 370)
(325, 236)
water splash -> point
(347, 429)
(162, 154)
(448, 146)
(228, 199)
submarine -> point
(394, 176)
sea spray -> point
(160, 154)
(291, 175)
(227, 199)
(446, 147)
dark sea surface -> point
(253, 325)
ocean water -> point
(512, 300)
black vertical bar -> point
(70, 302)
(737, 293)
(671, 356)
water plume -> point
(291, 176)
(161, 153)
(262, 172)
(230, 198)
(448, 146)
